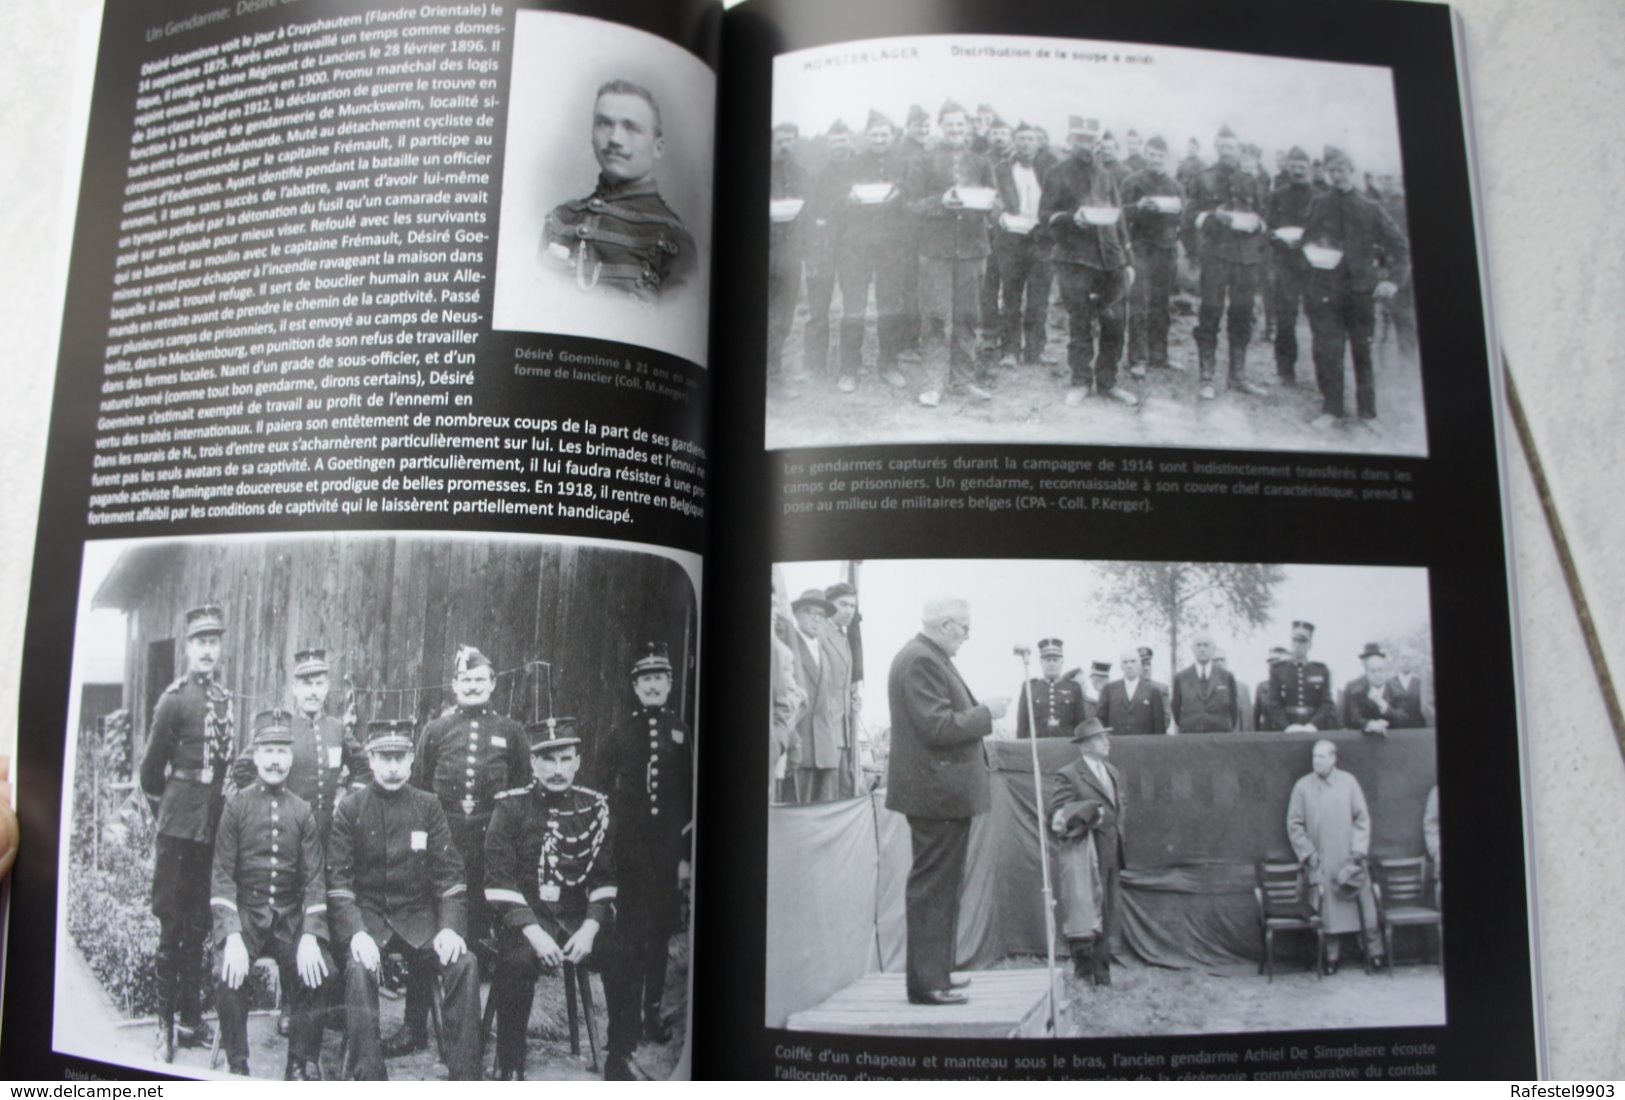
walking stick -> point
(1043, 840)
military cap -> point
(1333, 155)
(916, 113)
(1088, 730)
(208, 619)
(1297, 153)
(998, 124)
(390, 735)
(813, 597)
(1100, 668)
(1049, 647)
(1372, 649)
(877, 119)
(469, 658)
(1146, 653)
(950, 107)
(1224, 132)
(552, 733)
(1277, 655)
(652, 657)
(1025, 125)
(839, 126)
(1157, 143)
(1304, 627)
(1107, 136)
(273, 727)
(839, 589)
(310, 662)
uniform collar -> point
(610, 189)
(474, 712)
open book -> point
(1099, 402)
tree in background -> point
(1177, 595)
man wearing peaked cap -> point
(872, 246)
(954, 248)
(1372, 261)
(190, 745)
(1301, 696)
(1376, 702)
(1224, 230)
(323, 750)
(550, 880)
(1086, 816)
(269, 897)
(1056, 703)
(651, 773)
(464, 759)
(395, 884)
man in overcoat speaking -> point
(938, 779)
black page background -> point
(25, 1038)
(1453, 528)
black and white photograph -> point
(379, 806)
(1031, 799)
(1033, 240)
(606, 186)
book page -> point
(363, 680)
(1139, 619)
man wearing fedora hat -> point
(395, 884)
(1086, 814)
(1056, 703)
(189, 749)
(269, 897)
(1376, 703)
(550, 881)
(826, 678)
(651, 801)
(1330, 831)
(1301, 696)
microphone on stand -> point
(1022, 651)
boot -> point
(617, 1068)
(194, 1032)
(297, 1070)
(654, 1028)
(1082, 959)
(164, 1045)
(404, 1040)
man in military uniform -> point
(651, 801)
(1371, 261)
(953, 256)
(1191, 167)
(1152, 201)
(1019, 251)
(1262, 720)
(786, 245)
(1301, 696)
(189, 749)
(1286, 216)
(1109, 160)
(825, 230)
(622, 238)
(550, 881)
(395, 884)
(1055, 705)
(270, 898)
(1224, 232)
(1091, 261)
(870, 246)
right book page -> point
(1115, 441)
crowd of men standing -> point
(463, 847)
(963, 230)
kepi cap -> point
(652, 657)
(208, 619)
(390, 735)
(310, 662)
(552, 733)
(1050, 647)
(273, 727)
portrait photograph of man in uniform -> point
(378, 806)
(940, 273)
(606, 187)
(1028, 851)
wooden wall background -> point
(391, 612)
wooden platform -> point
(1003, 1004)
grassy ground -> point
(1027, 404)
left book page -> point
(362, 655)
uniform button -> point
(595, 204)
(471, 758)
(654, 721)
(470, 773)
(654, 811)
(654, 784)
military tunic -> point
(394, 873)
(322, 750)
(651, 801)
(1058, 707)
(550, 861)
(621, 239)
(1301, 692)
(953, 249)
(1156, 246)
(1231, 261)
(270, 887)
(1090, 264)
(870, 244)
(1288, 206)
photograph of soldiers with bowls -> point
(1006, 239)
(1101, 798)
(363, 806)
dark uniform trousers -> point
(1148, 304)
(460, 987)
(180, 901)
(932, 899)
(880, 258)
(647, 913)
(1228, 289)
(305, 1004)
(950, 299)
(1024, 275)
(1339, 317)
(514, 986)
(1289, 295)
(1093, 296)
